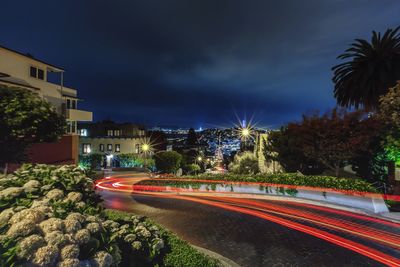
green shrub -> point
(245, 163)
(294, 179)
(167, 161)
(91, 161)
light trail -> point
(275, 212)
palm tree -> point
(372, 69)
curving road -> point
(257, 232)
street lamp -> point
(245, 132)
(145, 147)
(199, 158)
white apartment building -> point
(22, 70)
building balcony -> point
(78, 115)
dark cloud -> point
(195, 62)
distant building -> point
(110, 139)
(23, 70)
(266, 166)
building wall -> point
(17, 66)
(127, 145)
(64, 151)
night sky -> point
(195, 63)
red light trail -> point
(284, 216)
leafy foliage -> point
(167, 161)
(244, 163)
(285, 147)
(293, 179)
(25, 118)
(389, 112)
(91, 161)
(373, 68)
(130, 160)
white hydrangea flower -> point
(51, 225)
(82, 236)
(40, 203)
(46, 256)
(71, 225)
(111, 225)
(74, 196)
(22, 228)
(11, 192)
(33, 215)
(76, 216)
(31, 186)
(80, 204)
(103, 259)
(142, 231)
(70, 252)
(130, 238)
(28, 246)
(123, 232)
(69, 263)
(5, 216)
(55, 194)
(136, 245)
(124, 226)
(93, 227)
(46, 187)
(55, 238)
(92, 218)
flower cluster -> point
(45, 215)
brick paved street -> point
(246, 239)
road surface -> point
(255, 232)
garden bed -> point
(51, 216)
(293, 179)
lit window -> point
(110, 132)
(86, 148)
(137, 148)
(101, 147)
(117, 132)
(82, 132)
(117, 147)
(109, 147)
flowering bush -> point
(49, 216)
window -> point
(137, 148)
(117, 147)
(109, 147)
(86, 148)
(73, 104)
(71, 126)
(110, 132)
(36, 73)
(117, 132)
(33, 72)
(101, 147)
(68, 103)
(40, 74)
(82, 132)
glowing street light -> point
(199, 158)
(245, 132)
(145, 147)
